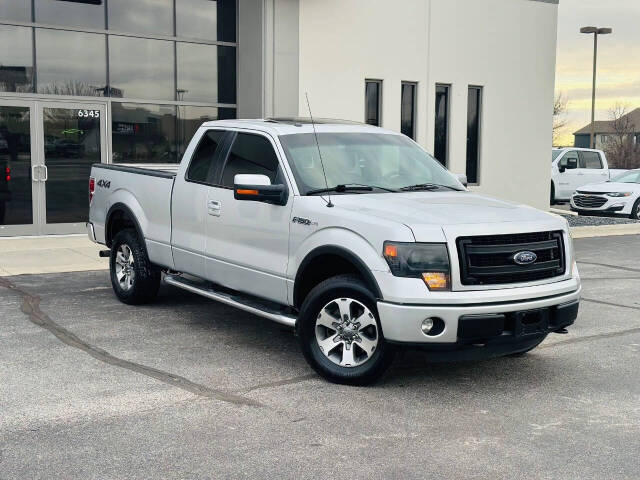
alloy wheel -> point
(346, 332)
(125, 272)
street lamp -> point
(596, 31)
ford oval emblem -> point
(525, 258)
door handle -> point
(34, 178)
(214, 208)
(46, 173)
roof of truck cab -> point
(290, 125)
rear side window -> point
(250, 154)
(590, 160)
(204, 156)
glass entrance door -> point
(18, 187)
(72, 139)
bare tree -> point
(560, 106)
(620, 148)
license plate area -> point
(530, 322)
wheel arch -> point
(333, 260)
(120, 216)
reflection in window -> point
(71, 63)
(199, 66)
(141, 68)
(441, 134)
(143, 133)
(141, 16)
(75, 13)
(19, 10)
(408, 110)
(206, 19)
(473, 133)
(250, 154)
(190, 119)
(16, 59)
(202, 161)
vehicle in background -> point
(572, 168)
(371, 247)
(620, 197)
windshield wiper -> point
(427, 186)
(350, 187)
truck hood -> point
(610, 187)
(439, 208)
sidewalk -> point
(76, 253)
(50, 254)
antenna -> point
(315, 134)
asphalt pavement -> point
(190, 389)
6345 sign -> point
(89, 113)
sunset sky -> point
(618, 59)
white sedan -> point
(620, 196)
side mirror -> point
(562, 165)
(258, 188)
(462, 178)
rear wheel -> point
(340, 334)
(134, 278)
(552, 199)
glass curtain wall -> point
(165, 66)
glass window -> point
(554, 154)
(74, 13)
(590, 160)
(441, 137)
(190, 119)
(16, 59)
(141, 68)
(15, 166)
(141, 16)
(383, 160)
(206, 19)
(250, 154)
(473, 132)
(408, 110)
(143, 133)
(71, 63)
(373, 93)
(19, 10)
(202, 160)
(632, 176)
(206, 73)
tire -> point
(356, 341)
(552, 199)
(635, 211)
(135, 280)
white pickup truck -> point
(572, 168)
(351, 234)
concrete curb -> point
(605, 230)
(559, 211)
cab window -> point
(590, 160)
(205, 157)
(250, 154)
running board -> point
(262, 308)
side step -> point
(262, 308)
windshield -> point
(379, 160)
(628, 177)
(554, 154)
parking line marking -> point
(31, 307)
(628, 269)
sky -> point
(618, 78)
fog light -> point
(427, 325)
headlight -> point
(618, 194)
(428, 261)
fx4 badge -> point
(303, 221)
(104, 184)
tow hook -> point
(104, 253)
(561, 331)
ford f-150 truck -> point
(351, 234)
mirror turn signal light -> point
(242, 191)
(437, 280)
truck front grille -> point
(589, 201)
(489, 259)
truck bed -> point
(146, 192)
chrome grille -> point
(589, 201)
(489, 259)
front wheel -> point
(635, 211)
(339, 332)
(134, 278)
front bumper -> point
(617, 206)
(91, 233)
(403, 323)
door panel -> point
(592, 167)
(72, 143)
(18, 175)
(569, 179)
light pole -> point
(596, 31)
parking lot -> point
(188, 388)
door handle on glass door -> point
(46, 173)
(214, 208)
(34, 177)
